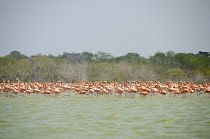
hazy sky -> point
(113, 26)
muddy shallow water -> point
(84, 117)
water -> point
(101, 118)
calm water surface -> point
(84, 117)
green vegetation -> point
(74, 67)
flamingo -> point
(105, 89)
(119, 91)
(163, 92)
(207, 90)
(56, 91)
(133, 91)
(144, 93)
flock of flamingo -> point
(130, 89)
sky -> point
(117, 27)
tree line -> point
(74, 67)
